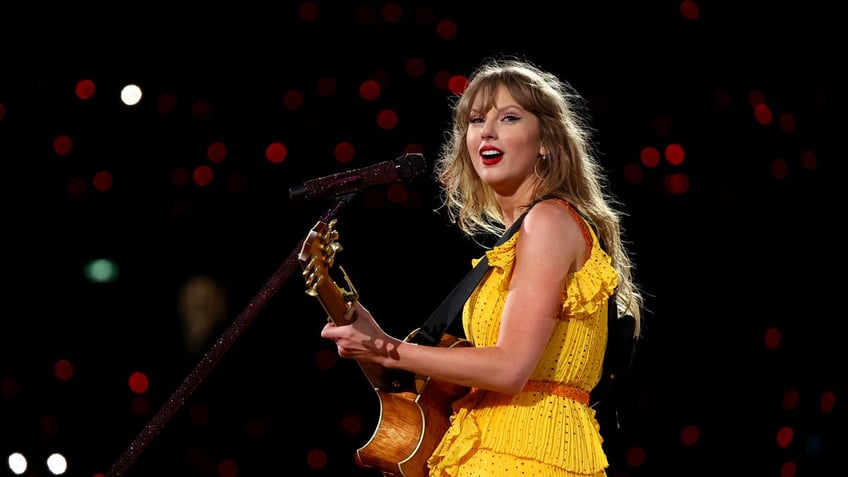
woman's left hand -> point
(363, 339)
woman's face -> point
(504, 143)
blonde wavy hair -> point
(572, 170)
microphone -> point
(406, 167)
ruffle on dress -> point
(579, 451)
(589, 288)
(585, 291)
(503, 255)
(460, 439)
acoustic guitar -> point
(414, 410)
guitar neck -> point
(342, 312)
(317, 256)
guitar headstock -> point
(317, 257)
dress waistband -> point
(558, 389)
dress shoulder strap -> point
(582, 221)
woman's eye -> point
(475, 120)
(510, 118)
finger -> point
(325, 331)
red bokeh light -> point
(762, 114)
(772, 338)
(827, 401)
(102, 181)
(138, 382)
(392, 12)
(415, 67)
(201, 110)
(293, 100)
(276, 152)
(309, 11)
(689, 435)
(85, 89)
(784, 437)
(674, 154)
(650, 157)
(316, 459)
(62, 145)
(788, 469)
(786, 123)
(457, 84)
(779, 169)
(636, 456)
(397, 193)
(447, 29)
(228, 468)
(790, 400)
(369, 90)
(63, 370)
(203, 175)
(352, 423)
(344, 152)
(676, 184)
(689, 10)
(387, 119)
(216, 152)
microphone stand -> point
(216, 351)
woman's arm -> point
(550, 246)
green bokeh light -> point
(101, 270)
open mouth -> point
(491, 156)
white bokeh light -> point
(17, 463)
(131, 94)
(57, 464)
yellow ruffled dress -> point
(548, 429)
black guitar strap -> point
(443, 320)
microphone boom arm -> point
(406, 167)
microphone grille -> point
(411, 165)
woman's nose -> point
(487, 132)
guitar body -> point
(414, 410)
(411, 424)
